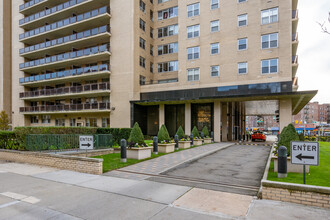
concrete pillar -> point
(217, 121)
(285, 113)
(230, 121)
(224, 121)
(187, 119)
(161, 115)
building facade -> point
(314, 113)
(180, 63)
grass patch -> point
(318, 175)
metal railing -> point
(295, 59)
(66, 56)
(65, 22)
(29, 4)
(56, 142)
(66, 39)
(294, 14)
(66, 73)
(66, 90)
(66, 108)
(295, 37)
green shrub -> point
(195, 132)
(181, 133)
(117, 133)
(136, 136)
(301, 137)
(4, 121)
(8, 141)
(288, 134)
(163, 135)
(205, 130)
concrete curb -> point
(267, 145)
(296, 187)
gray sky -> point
(314, 48)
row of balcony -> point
(29, 4)
(66, 56)
(65, 22)
(66, 90)
(66, 108)
(66, 73)
(66, 39)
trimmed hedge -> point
(8, 141)
(136, 136)
(117, 133)
(163, 135)
(288, 134)
(205, 131)
(195, 132)
(181, 133)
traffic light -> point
(277, 113)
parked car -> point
(258, 135)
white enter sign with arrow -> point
(305, 153)
(86, 142)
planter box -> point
(291, 168)
(207, 140)
(166, 148)
(184, 144)
(139, 153)
(198, 142)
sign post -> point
(305, 153)
(86, 142)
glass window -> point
(193, 31)
(193, 74)
(269, 66)
(269, 16)
(215, 26)
(214, 71)
(214, 48)
(269, 41)
(242, 68)
(214, 4)
(242, 20)
(193, 53)
(193, 10)
(242, 44)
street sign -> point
(86, 142)
(305, 153)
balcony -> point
(295, 43)
(97, 17)
(85, 90)
(86, 73)
(50, 15)
(82, 39)
(295, 85)
(66, 109)
(294, 65)
(294, 20)
(88, 55)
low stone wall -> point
(91, 153)
(79, 164)
(296, 193)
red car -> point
(258, 135)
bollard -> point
(282, 162)
(176, 139)
(155, 144)
(212, 136)
(191, 139)
(123, 151)
(202, 136)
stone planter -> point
(166, 148)
(207, 140)
(291, 168)
(184, 144)
(139, 153)
(198, 142)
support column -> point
(187, 119)
(285, 113)
(230, 121)
(224, 121)
(161, 115)
(217, 121)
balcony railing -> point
(294, 14)
(66, 108)
(29, 4)
(50, 11)
(65, 22)
(66, 73)
(66, 90)
(295, 37)
(66, 39)
(295, 59)
(66, 56)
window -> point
(34, 120)
(151, 67)
(214, 4)
(193, 10)
(269, 41)
(46, 119)
(193, 53)
(168, 31)
(142, 6)
(151, 32)
(269, 66)
(142, 25)
(142, 62)
(269, 16)
(91, 122)
(240, 1)
(215, 26)
(242, 20)
(168, 49)
(214, 71)
(242, 68)
(168, 67)
(151, 15)
(142, 80)
(193, 31)
(142, 43)
(60, 122)
(105, 122)
(214, 48)
(242, 44)
(162, 1)
(168, 13)
(151, 50)
(193, 74)
(72, 122)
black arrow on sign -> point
(86, 145)
(300, 157)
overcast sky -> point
(314, 48)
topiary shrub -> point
(163, 135)
(195, 132)
(301, 137)
(205, 130)
(181, 133)
(136, 137)
(288, 134)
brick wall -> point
(296, 193)
(66, 162)
(92, 153)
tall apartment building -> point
(194, 62)
(314, 112)
(324, 113)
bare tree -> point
(324, 26)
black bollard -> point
(282, 162)
(176, 139)
(202, 136)
(155, 144)
(212, 136)
(191, 139)
(123, 151)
